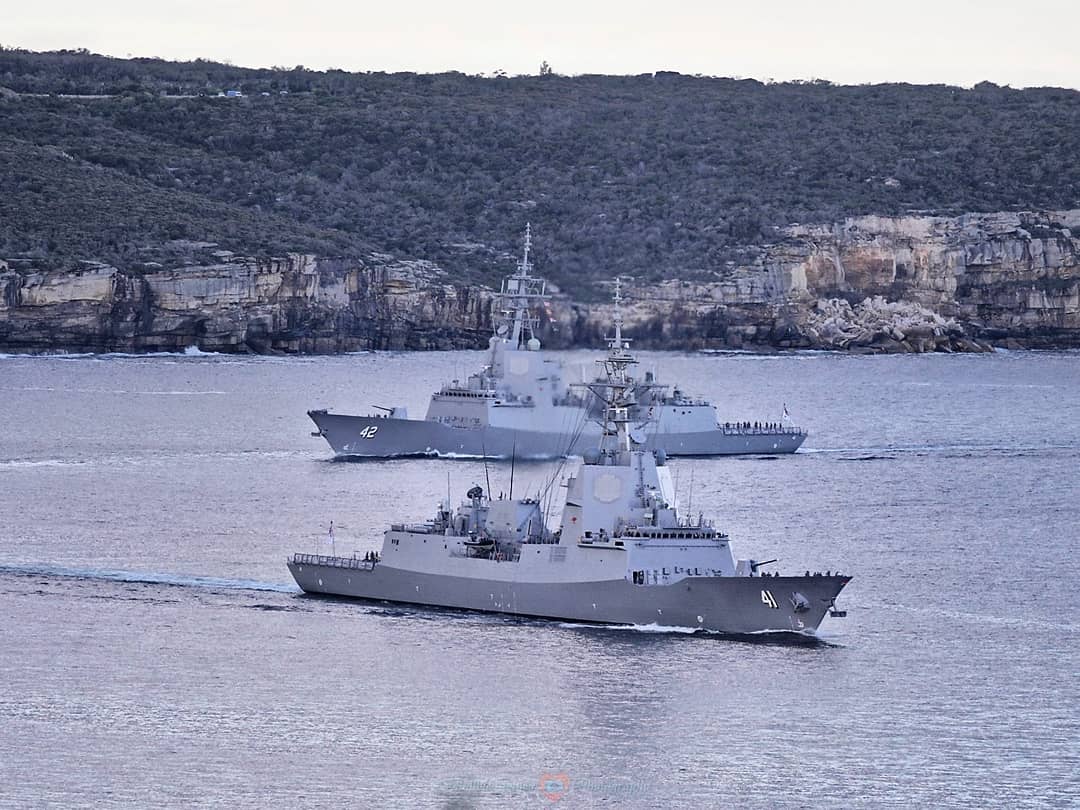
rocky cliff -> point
(914, 283)
(893, 284)
(226, 303)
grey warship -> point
(622, 555)
(520, 404)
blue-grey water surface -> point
(155, 653)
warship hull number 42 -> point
(520, 404)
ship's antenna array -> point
(514, 321)
(523, 265)
(617, 319)
(615, 388)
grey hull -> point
(388, 437)
(731, 605)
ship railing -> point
(334, 562)
(468, 393)
(735, 429)
(683, 531)
(496, 556)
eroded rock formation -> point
(866, 284)
(884, 284)
(292, 304)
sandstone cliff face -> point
(965, 281)
(866, 284)
(292, 304)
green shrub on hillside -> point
(652, 176)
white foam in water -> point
(14, 463)
(190, 351)
(176, 393)
(640, 628)
(55, 356)
(654, 628)
(150, 578)
(124, 392)
(830, 635)
(780, 632)
(43, 462)
(157, 458)
(658, 628)
(744, 355)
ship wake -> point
(145, 578)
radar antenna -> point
(615, 388)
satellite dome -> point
(534, 345)
(591, 456)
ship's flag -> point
(786, 414)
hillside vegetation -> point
(655, 176)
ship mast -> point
(521, 312)
(514, 322)
(616, 389)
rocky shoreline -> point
(867, 285)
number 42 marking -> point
(369, 431)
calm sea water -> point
(154, 652)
